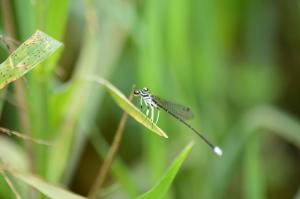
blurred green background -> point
(235, 63)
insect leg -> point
(141, 103)
(147, 112)
(152, 113)
(146, 107)
(157, 116)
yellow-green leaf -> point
(33, 51)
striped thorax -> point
(146, 96)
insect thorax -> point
(149, 100)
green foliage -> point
(160, 189)
(234, 63)
(32, 52)
(51, 191)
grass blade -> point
(33, 51)
(11, 185)
(257, 120)
(47, 189)
(160, 189)
(127, 106)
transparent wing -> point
(181, 111)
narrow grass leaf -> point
(13, 154)
(127, 106)
(29, 54)
(260, 119)
(274, 120)
(11, 185)
(46, 188)
(160, 189)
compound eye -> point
(145, 89)
(136, 92)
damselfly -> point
(181, 113)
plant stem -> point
(111, 155)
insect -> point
(179, 112)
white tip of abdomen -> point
(218, 151)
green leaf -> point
(274, 120)
(127, 106)
(160, 189)
(46, 188)
(32, 52)
(14, 156)
(259, 119)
